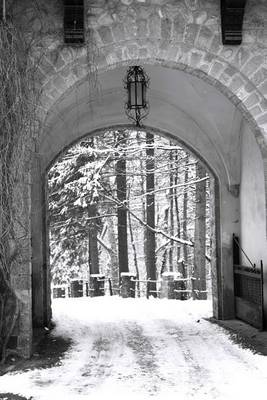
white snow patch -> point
(172, 274)
(128, 274)
(142, 349)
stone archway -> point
(182, 37)
(165, 116)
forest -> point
(130, 201)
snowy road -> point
(145, 349)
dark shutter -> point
(232, 14)
(73, 21)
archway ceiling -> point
(180, 104)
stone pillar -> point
(168, 285)
(21, 275)
(96, 285)
(76, 288)
(127, 284)
(180, 284)
(59, 292)
(37, 240)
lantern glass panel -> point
(139, 94)
(132, 100)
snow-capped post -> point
(180, 288)
(128, 281)
(168, 285)
(96, 285)
(76, 288)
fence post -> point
(194, 289)
(96, 285)
(76, 288)
(127, 285)
(168, 284)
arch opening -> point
(107, 222)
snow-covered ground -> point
(142, 349)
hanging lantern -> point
(136, 84)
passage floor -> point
(145, 349)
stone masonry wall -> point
(180, 34)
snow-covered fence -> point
(170, 286)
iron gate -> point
(248, 289)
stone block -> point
(204, 37)
(262, 120)
(142, 28)
(252, 100)
(242, 56)
(259, 77)
(143, 52)
(236, 83)
(47, 67)
(59, 83)
(56, 59)
(263, 88)
(190, 33)
(22, 282)
(217, 68)
(255, 111)
(252, 65)
(118, 32)
(216, 44)
(178, 25)
(195, 59)
(106, 34)
(166, 26)
(154, 25)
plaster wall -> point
(252, 200)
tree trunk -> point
(171, 202)
(114, 268)
(122, 212)
(185, 205)
(150, 239)
(93, 243)
(200, 234)
(135, 255)
(165, 253)
(177, 212)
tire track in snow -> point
(107, 343)
(145, 358)
(197, 378)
